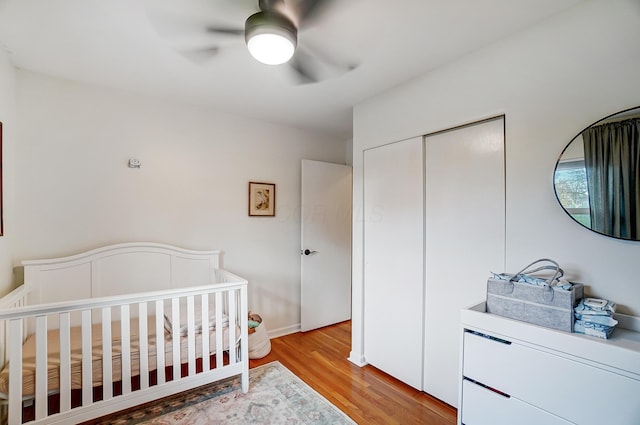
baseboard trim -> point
(287, 330)
(357, 359)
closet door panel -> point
(464, 239)
(393, 259)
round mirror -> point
(597, 178)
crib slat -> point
(107, 355)
(233, 319)
(244, 343)
(4, 350)
(125, 353)
(65, 362)
(15, 371)
(15, 298)
(41, 367)
(87, 359)
(160, 342)
(219, 331)
(143, 345)
(175, 336)
(206, 366)
(191, 335)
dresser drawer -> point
(567, 388)
(481, 406)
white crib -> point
(92, 320)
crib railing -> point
(14, 299)
(228, 298)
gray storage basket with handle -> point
(543, 305)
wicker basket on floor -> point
(259, 342)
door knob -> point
(307, 252)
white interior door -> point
(464, 239)
(393, 259)
(326, 244)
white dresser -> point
(517, 373)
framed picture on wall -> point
(262, 199)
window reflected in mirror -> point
(597, 178)
(571, 188)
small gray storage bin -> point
(547, 306)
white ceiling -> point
(129, 45)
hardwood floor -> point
(366, 394)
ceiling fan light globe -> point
(271, 49)
(271, 37)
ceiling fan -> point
(271, 36)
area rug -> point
(276, 396)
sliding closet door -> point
(393, 259)
(464, 239)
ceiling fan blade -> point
(224, 30)
(200, 56)
(302, 64)
(312, 66)
(310, 10)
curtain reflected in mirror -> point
(597, 178)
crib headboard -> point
(117, 269)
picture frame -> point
(262, 199)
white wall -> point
(75, 191)
(551, 82)
(7, 116)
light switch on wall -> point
(134, 163)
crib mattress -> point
(53, 349)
